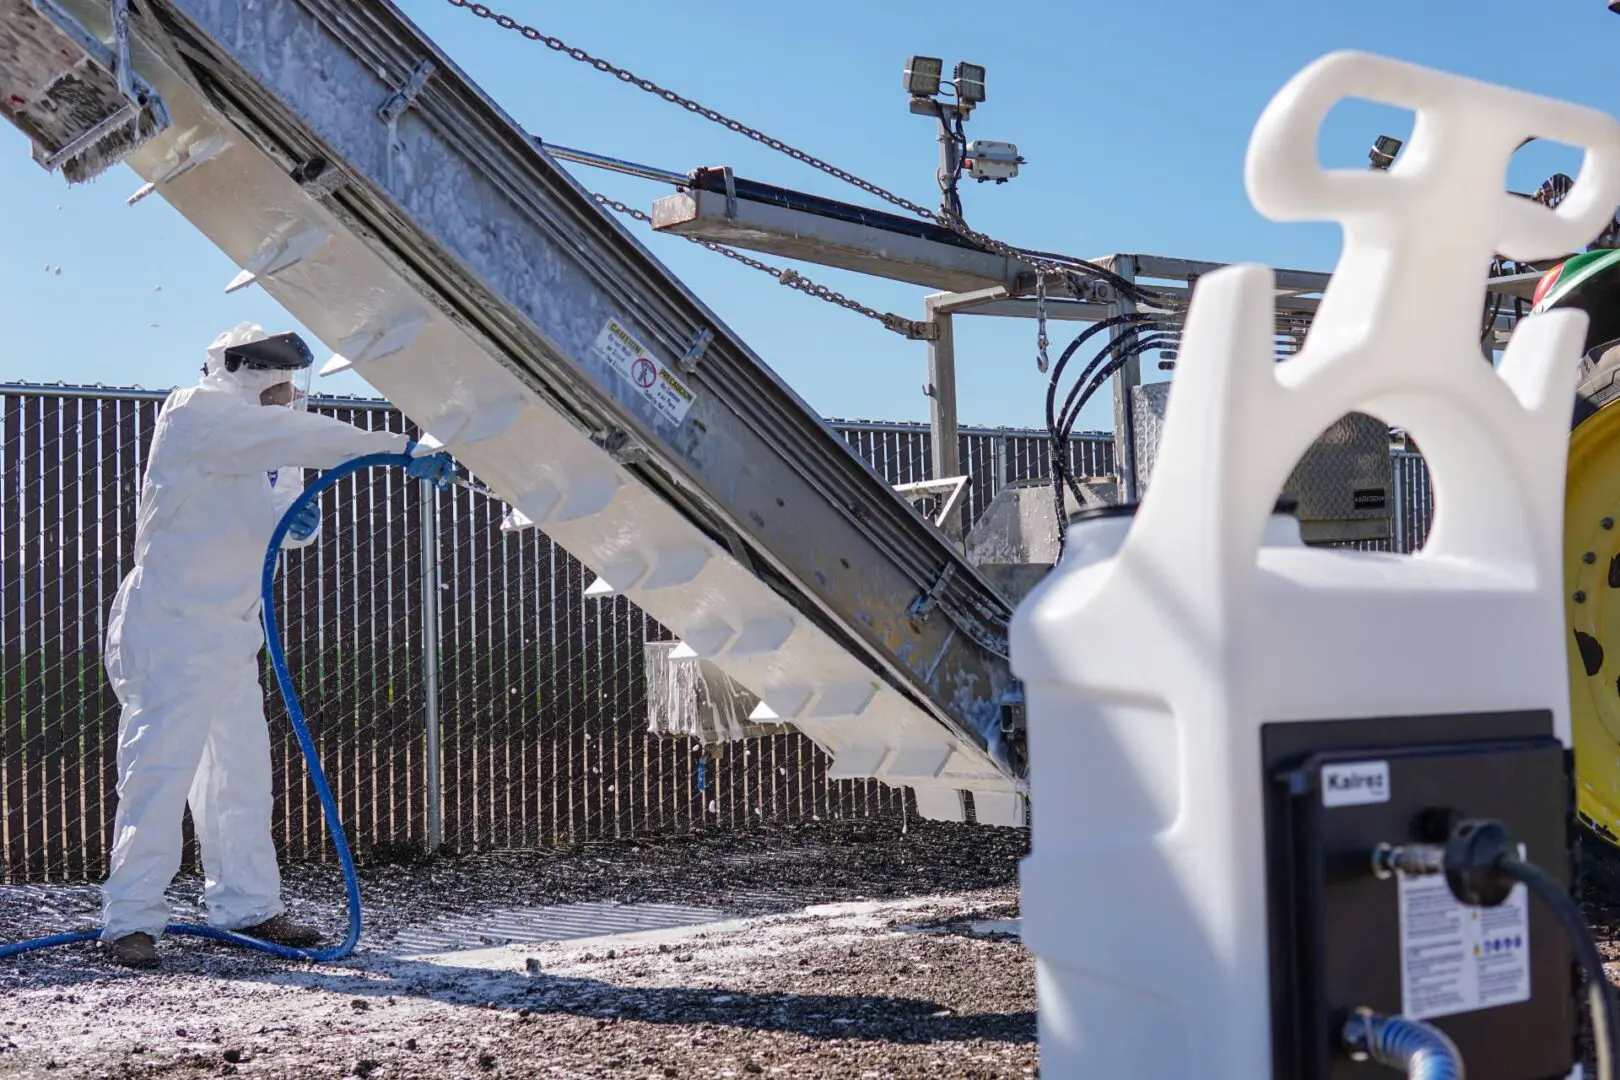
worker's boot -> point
(282, 930)
(132, 950)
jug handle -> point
(1466, 128)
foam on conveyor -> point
(361, 179)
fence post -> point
(1397, 477)
(430, 662)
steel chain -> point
(506, 22)
(1041, 262)
(792, 278)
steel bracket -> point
(912, 329)
(137, 94)
(730, 180)
(924, 605)
(620, 446)
(688, 360)
(392, 109)
(318, 177)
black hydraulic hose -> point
(1127, 346)
(1080, 339)
(948, 182)
(1062, 517)
(1054, 415)
(1605, 1022)
(1108, 358)
(1060, 443)
(1132, 348)
(1057, 446)
(1057, 452)
(1493, 308)
(1115, 354)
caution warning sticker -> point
(652, 380)
(1455, 958)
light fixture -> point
(1383, 152)
(922, 75)
(969, 80)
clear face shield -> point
(292, 391)
(281, 366)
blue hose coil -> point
(1421, 1051)
(295, 713)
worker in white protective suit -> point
(184, 636)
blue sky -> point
(1134, 138)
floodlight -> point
(1554, 189)
(969, 80)
(922, 75)
(1383, 152)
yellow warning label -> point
(661, 387)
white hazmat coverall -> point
(184, 637)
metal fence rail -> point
(413, 614)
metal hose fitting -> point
(1414, 860)
(1421, 1051)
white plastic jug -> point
(1148, 675)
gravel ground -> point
(853, 949)
(848, 949)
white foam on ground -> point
(576, 923)
(720, 941)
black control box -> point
(1500, 982)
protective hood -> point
(235, 366)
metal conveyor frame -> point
(375, 192)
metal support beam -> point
(855, 242)
(1162, 268)
(613, 164)
(1003, 302)
(1521, 285)
(947, 460)
(1128, 377)
(1057, 310)
(430, 664)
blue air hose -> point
(295, 713)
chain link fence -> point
(414, 613)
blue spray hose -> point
(295, 713)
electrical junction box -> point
(1501, 982)
(987, 160)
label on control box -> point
(1456, 958)
(1357, 783)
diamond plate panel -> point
(1344, 482)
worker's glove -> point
(437, 468)
(308, 520)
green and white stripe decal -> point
(1570, 275)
